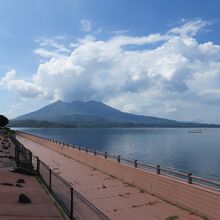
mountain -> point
(92, 114)
(30, 123)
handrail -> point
(64, 193)
(139, 165)
(59, 177)
(212, 182)
(174, 172)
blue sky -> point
(147, 57)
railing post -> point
(50, 179)
(135, 163)
(119, 159)
(158, 169)
(190, 178)
(18, 158)
(71, 203)
(22, 150)
(30, 163)
(105, 155)
(38, 166)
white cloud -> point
(120, 32)
(22, 87)
(45, 53)
(172, 79)
(98, 31)
(45, 42)
(190, 28)
(86, 25)
(50, 48)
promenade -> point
(41, 206)
(116, 199)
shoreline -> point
(190, 196)
(104, 140)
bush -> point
(3, 121)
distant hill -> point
(92, 114)
(36, 124)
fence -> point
(157, 169)
(148, 167)
(61, 190)
(71, 201)
(23, 156)
(188, 177)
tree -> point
(3, 121)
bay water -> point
(181, 149)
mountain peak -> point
(58, 101)
(88, 111)
(95, 113)
(77, 101)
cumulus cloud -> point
(190, 28)
(50, 48)
(44, 42)
(86, 25)
(178, 72)
(45, 53)
(22, 87)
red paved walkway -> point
(41, 208)
(116, 199)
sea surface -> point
(175, 148)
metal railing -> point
(188, 177)
(72, 202)
(23, 156)
(57, 186)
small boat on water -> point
(195, 131)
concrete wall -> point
(201, 200)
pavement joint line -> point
(92, 195)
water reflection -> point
(175, 148)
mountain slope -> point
(79, 111)
(92, 114)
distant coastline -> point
(47, 124)
(94, 114)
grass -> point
(124, 195)
(136, 206)
(173, 217)
(113, 177)
(152, 203)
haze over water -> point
(174, 148)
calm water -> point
(175, 148)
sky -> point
(150, 57)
